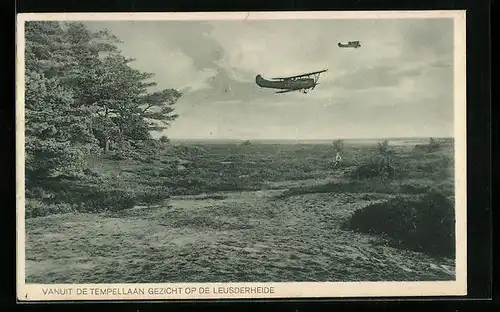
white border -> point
(34, 292)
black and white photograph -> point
(241, 155)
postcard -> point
(230, 155)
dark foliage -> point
(425, 224)
(338, 145)
(430, 147)
(364, 171)
(83, 99)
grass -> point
(250, 212)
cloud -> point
(424, 38)
(374, 77)
(281, 48)
(160, 49)
(399, 81)
(224, 102)
(391, 50)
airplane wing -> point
(303, 75)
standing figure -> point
(338, 160)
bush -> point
(425, 224)
(373, 170)
(39, 193)
(152, 195)
(338, 145)
(365, 171)
(102, 200)
(87, 194)
(430, 147)
(91, 195)
(35, 208)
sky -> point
(398, 84)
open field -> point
(230, 213)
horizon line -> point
(309, 139)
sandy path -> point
(247, 236)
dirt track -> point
(248, 236)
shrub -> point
(338, 145)
(38, 193)
(433, 144)
(425, 224)
(374, 169)
(153, 195)
(87, 194)
(364, 171)
(245, 143)
(35, 208)
(383, 147)
(103, 199)
(430, 147)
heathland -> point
(220, 212)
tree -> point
(338, 145)
(164, 140)
(383, 147)
(81, 98)
(125, 108)
(57, 131)
(386, 166)
(81, 94)
(433, 144)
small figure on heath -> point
(338, 160)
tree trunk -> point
(106, 146)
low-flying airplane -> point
(303, 83)
(350, 44)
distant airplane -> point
(293, 83)
(350, 44)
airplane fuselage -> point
(297, 84)
(349, 45)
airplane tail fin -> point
(260, 81)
